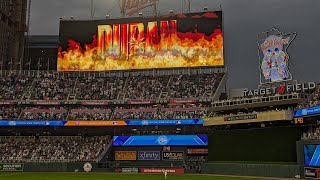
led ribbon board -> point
(165, 140)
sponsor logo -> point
(243, 117)
(129, 170)
(161, 170)
(125, 155)
(281, 89)
(145, 123)
(304, 112)
(149, 155)
(11, 167)
(172, 155)
(12, 123)
(197, 151)
(162, 140)
(87, 167)
(311, 173)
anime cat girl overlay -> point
(273, 57)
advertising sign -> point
(311, 173)
(88, 123)
(281, 89)
(125, 155)
(149, 155)
(11, 167)
(273, 56)
(197, 151)
(162, 140)
(307, 111)
(181, 40)
(164, 122)
(32, 123)
(161, 170)
(173, 156)
(242, 117)
(95, 123)
(128, 170)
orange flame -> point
(125, 46)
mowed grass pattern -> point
(106, 176)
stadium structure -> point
(148, 95)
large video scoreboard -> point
(172, 41)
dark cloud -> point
(243, 20)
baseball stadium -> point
(156, 90)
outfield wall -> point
(254, 145)
(261, 170)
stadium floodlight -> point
(171, 11)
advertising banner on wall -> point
(127, 170)
(11, 167)
(161, 170)
(197, 151)
(149, 155)
(125, 155)
(311, 173)
(241, 117)
(173, 156)
(307, 111)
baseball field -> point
(106, 176)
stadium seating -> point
(52, 149)
(55, 87)
(195, 111)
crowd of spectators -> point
(55, 87)
(313, 100)
(249, 111)
(51, 87)
(135, 113)
(141, 87)
(92, 88)
(194, 86)
(313, 134)
(190, 111)
(53, 149)
(12, 87)
(44, 113)
(9, 112)
(85, 113)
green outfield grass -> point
(105, 176)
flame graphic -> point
(126, 46)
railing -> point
(255, 100)
(147, 72)
(220, 87)
(105, 151)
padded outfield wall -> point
(255, 145)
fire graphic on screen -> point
(134, 46)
